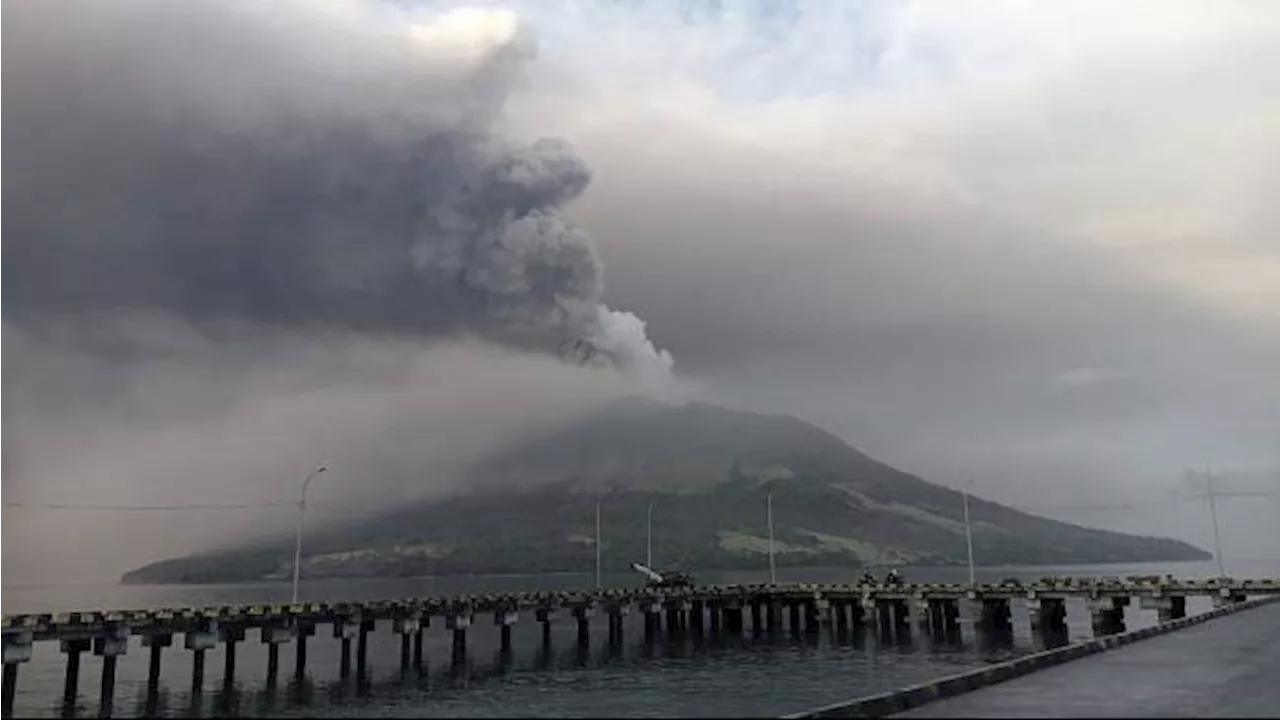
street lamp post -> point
(302, 510)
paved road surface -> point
(1228, 667)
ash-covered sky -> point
(1031, 243)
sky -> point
(1026, 243)
(1023, 244)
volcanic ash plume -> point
(297, 162)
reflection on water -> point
(689, 673)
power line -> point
(146, 508)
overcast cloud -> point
(1030, 243)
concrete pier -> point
(199, 639)
(459, 624)
(8, 688)
(617, 615)
(809, 608)
(231, 634)
(993, 613)
(344, 629)
(504, 620)
(406, 628)
(110, 647)
(1048, 615)
(943, 615)
(366, 626)
(1106, 615)
(18, 646)
(546, 616)
(71, 678)
(582, 615)
(302, 631)
(417, 645)
(733, 616)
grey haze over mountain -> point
(1028, 244)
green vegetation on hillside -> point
(832, 506)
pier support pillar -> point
(1176, 611)
(733, 616)
(109, 647)
(199, 641)
(406, 628)
(504, 619)
(696, 610)
(814, 612)
(71, 680)
(303, 630)
(546, 616)
(841, 610)
(230, 636)
(757, 612)
(367, 625)
(583, 614)
(994, 613)
(417, 642)
(1048, 614)
(17, 650)
(943, 614)
(617, 616)
(924, 615)
(156, 644)
(273, 636)
(459, 623)
(715, 613)
(1106, 615)
(344, 629)
(793, 615)
(773, 615)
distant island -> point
(707, 470)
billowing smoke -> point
(294, 163)
(244, 238)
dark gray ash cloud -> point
(297, 164)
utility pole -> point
(773, 570)
(648, 538)
(598, 501)
(1213, 511)
(968, 533)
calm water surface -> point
(743, 676)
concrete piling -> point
(583, 614)
(300, 650)
(17, 650)
(8, 688)
(696, 608)
(273, 636)
(199, 640)
(459, 623)
(993, 613)
(406, 628)
(813, 613)
(504, 619)
(230, 636)
(1048, 615)
(71, 678)
(1106, 614)
(362, 649)
(733, 617)
(545, 616)
(841, 611)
